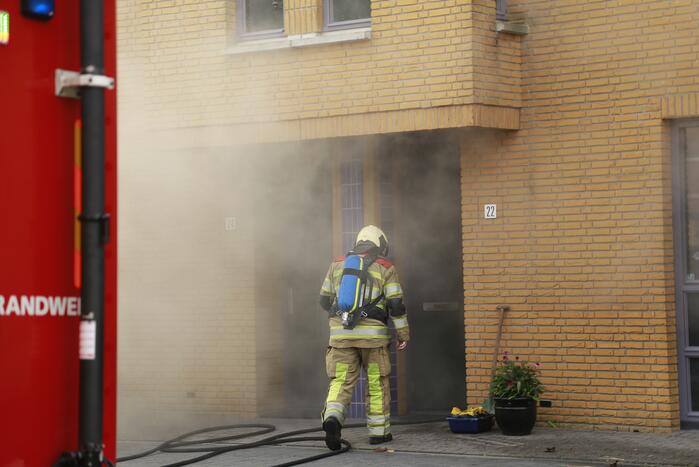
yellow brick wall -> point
(497, 59)
(582, 246)
(422, 54)
(187, 321)
(187, 305)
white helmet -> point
(374, 235)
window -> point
(352, 201)
(691, 175)
(258, 19)
(501, 10)
(694, 383)
(352, 196)
(342, 14)
(686, 231)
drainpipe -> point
(94, 232)
(88, 85)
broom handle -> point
(502, 309)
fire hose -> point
(181, 444)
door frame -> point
(688, 417)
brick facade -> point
(575, 151)
(187, 306)
(422, 54)
(582, 248)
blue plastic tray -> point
(470, 424)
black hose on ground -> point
(177, 442)
(179, 445)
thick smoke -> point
(223, 247)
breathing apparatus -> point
(356, 282)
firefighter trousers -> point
(343, 366)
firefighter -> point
(362, 339)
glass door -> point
(686, 231)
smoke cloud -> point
(223, 248)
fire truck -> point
(58, 268)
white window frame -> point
(243, 35)
(351, 24)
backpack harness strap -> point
(370, 310)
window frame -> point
(328, 25)
(242, 32)
(683, 286)
(501, 10)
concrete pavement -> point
(270, 455)
(433, 444)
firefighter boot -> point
(380, 439)
(332, 429)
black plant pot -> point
(515, 417)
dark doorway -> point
(426, 226)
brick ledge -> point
(300, 40)
(397, 121)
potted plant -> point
(515, 389)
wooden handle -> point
(502, 309)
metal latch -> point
(68, 83)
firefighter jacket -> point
(368, 333)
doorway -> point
(410, 185)
(421, 177)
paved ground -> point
(267, 456)
(434, 445)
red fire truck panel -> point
(39, 296)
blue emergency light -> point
(39, 9)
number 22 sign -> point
(490, 211)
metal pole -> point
(94, 228)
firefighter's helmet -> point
(374, 235)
